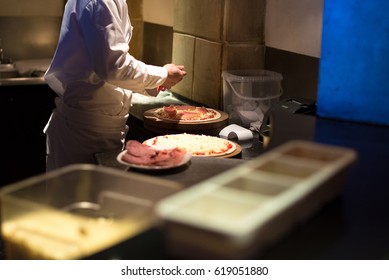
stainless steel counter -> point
(23, 72)
(22, 81)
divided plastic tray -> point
(236, 214)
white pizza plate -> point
(186, 159)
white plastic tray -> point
(239, 212)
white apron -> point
(75, 136)
(94, 73)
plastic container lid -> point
(252, 76)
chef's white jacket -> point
(94, 76)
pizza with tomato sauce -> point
(186, 113)
(195, 144)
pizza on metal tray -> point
(186, 113)
(195, 144)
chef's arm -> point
(108, 48)
(139, 76)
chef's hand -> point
(175, 73)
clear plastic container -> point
(248, 94)
(77, 211)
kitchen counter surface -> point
(195, 171)
(353, 226)
(22, 81)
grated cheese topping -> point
(197, 145)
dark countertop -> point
(356, 225)
(353, 226)
(195, 171)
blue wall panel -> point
(354, 64)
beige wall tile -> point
(207, 73)
(158, 11)
(157, 44)
(202, 18)
(135, 9)
(183, 54)
(136, 44)
(244, 20)
(243, 56)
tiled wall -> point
(292, 30)
(212, 36)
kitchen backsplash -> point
(29, 29)
(205, 41)
(29, 37)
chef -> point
(94, 76)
